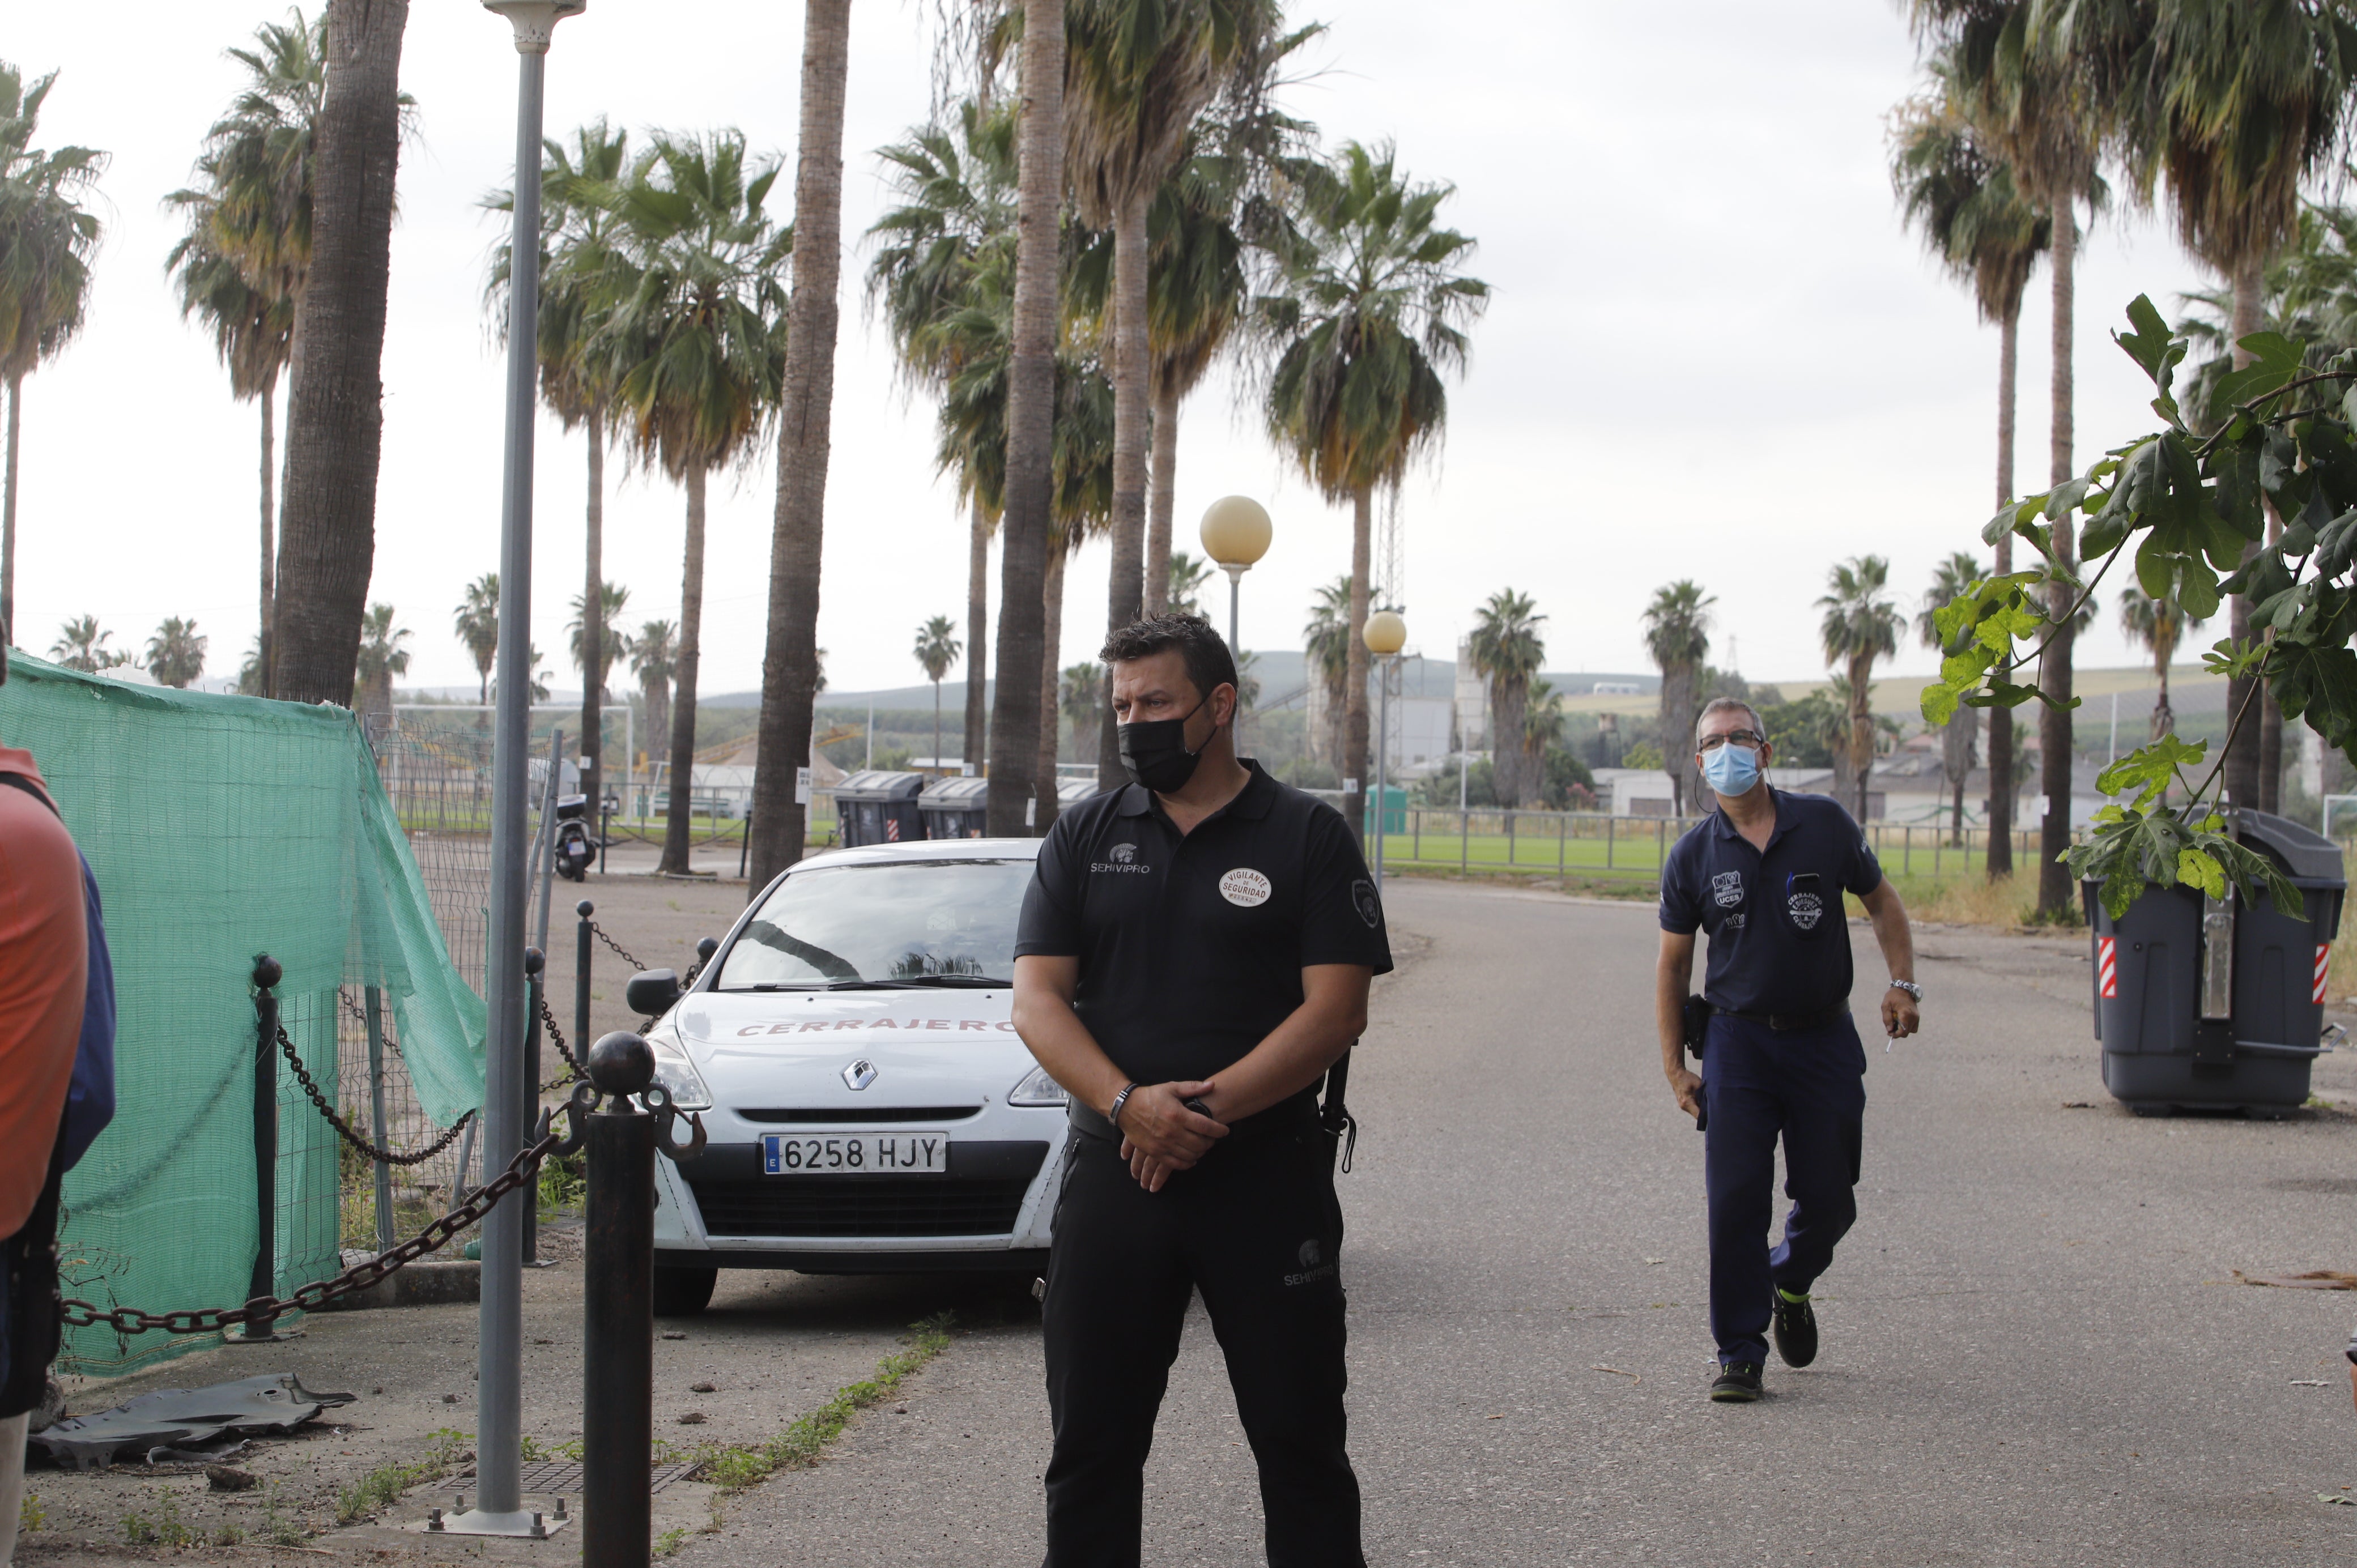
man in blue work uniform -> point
(1764, 874)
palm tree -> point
(1367, 316)
(81, 645)
(1960, 737)
(1325, 641)
(477, 622)
(652, 653)
(1861, 626)
(1185, 578)
(1507, 651)
(612, 599)
(1083, 694)
(696, 355)
(2159, 625)
(790, 673)
(583, 273)
(335, 416)
(176, 654)
(242, 264)
(937, 648)
(1018, 715)
(2045, 83)
(1984, 228)
(48, 241)
(1137, 72)
(1677, 636)
(2243, 102)
(382, 658)
(947, 247)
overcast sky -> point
(1712, 351)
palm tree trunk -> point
(593, 622)
(269, 514)
(937, 722)
(8, 514)
(2000, 746)
(2164, 718)
(676, 861)
(335, 420)
(1509, 703)
(1861, 726)
(1131, 390)
(977, 622)
(806, 433)
(1161, 501)
(658, 695)
(1354, 682)
(1051, 728)
(1016, 715)
(2054, 738)
(2242, 763)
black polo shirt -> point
(1191, 947)
(1779, 934)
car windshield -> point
(925, 922)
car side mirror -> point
(652, 993)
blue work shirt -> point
(1779, 934)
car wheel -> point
(683, 1292)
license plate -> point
(855, 1153)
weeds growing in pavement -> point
(161, 1527)
(731, 1467)
(278, 1527)
(671, 1541)
(382, 1487)
(31, 1515)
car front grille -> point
(982, 1203)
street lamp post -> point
(498, 1402)
(1235, 533)
(1385, 634)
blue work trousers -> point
(1807, 1085)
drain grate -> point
(562, 1478)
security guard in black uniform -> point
(1765, 874)
(1194, 955)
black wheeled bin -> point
(878, 807)
(955, 807)
(2217, 1004)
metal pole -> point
(583, 956)
(1382, 752)
(499, 1401)
(536, 968)
(618, 1316)
(374, 1000)
(745, 843)
(265, 1281)
(546, 848)
(1235, 649)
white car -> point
(867, 1105)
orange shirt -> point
(44, 950)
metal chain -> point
(618, 951)
(524, 1169)
(556, 1038)
(345, 1129)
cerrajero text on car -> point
(868, 1105)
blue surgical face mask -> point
(1731, 769)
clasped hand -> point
(1160, 1136)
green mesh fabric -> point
(221, 827)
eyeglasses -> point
(1737, 736)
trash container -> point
(2217, 1004)
(1393, 810)
(878, 807)
(955, 807)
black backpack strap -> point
(18, 781)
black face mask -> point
(1155, 752)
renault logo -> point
(860, 1074)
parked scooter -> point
(576, 849)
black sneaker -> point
(1739, 1383)
(1795, 1330)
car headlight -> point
(1038, 1089)
(676, 1070)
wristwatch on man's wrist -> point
(1910, 987)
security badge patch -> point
(1806, 909)
(1369, 907)
(1728, 888)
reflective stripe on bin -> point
(2323, 971)
(2107, 966)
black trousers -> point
(1256, 1229)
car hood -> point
(770, 1050)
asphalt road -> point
(2035, 1352)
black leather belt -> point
(1786, 1023)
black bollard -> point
(619, 1311)
(535, 965)
(583, 957)
(744, 845)
(267, 974)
